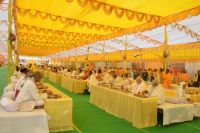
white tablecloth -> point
(197, 109)
(173, 113)
(23, 122)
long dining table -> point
(73, 85)
(59, 110)
(55, 77)
(141, 112)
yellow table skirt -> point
(55, 77)
(45, 73)
(60, 111)
(141, 112)
(193, 90)
(73, 85)
(193, 97)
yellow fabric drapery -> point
(180, 52)
(60, 111)
(55, 77)
(73, 85)
(103, 19)
(125, 106)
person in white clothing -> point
(29, 91)
(21, 81)
(68, 72)
(9, 91)
(180, 93)
(108, 78)
(117, 80)
(122, 82)
(81, 73)
(181, 96)
(138, 86)
(17, 71)
(92, 79)
(156, 90)
(74, 73)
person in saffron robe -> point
(167, 79)
(185, 77)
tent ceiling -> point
(174, 37)
(89, 21)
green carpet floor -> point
(3, 78)
(90, 119)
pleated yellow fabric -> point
(141, 112)
(73, 85)
(55, 77)
(193, 90)
(195, 98)
(60, 111)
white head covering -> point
(181, 84)
(180, 93)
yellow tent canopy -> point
(179, 52)
(49, 26)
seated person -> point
(157, 90)
(108, 78)
(80, 73)
(68, 72)
(86, 74)
(74, 72)
(185, 77)
(138, 86)
(181, 96)
(17, 71)
(145, 75)
(118, 80)
(21, 81)
(92, 79)
(167, 78)
(180, 92)
(99, 75)
(29, 91)
(122, 82)
(10, 89)
(126, 80)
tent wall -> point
(181, 52)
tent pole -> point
(125, 50)
(166, 50)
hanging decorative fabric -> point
(185, 29)
(148, 39)
(72, 22)
(118, 11)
